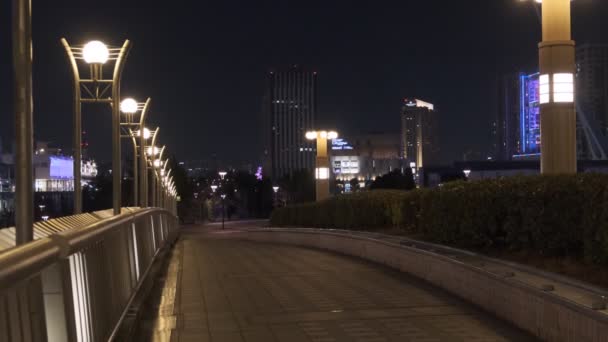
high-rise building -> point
(592, 83)
(518, 119)
(518, 116)
(290, 111)
(419, 136)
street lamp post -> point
(557, 68)
(156, 166)
(322, 161)
(276, 195)
(129, 107)
(150, 151)
(96, 87)
(223, 208)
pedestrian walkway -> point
(220, 289)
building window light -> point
(322, 173)
(563, 88)
(544, 89)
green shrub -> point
(550, 215)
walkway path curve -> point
(221, 289)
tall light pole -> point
(157, 164)
(96, 88)
(322, 161)
(223, 208)
(557, 110)
(129, 107)
(24, 121)
(150, 151)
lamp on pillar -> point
(97, 89)
(557, 110)
(322, 161)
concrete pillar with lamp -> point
(557, 68)
(322, 161)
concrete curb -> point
(551, 307)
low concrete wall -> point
(548, 308)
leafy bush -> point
(551, 215)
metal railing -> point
(76, 281)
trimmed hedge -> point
(551, 215)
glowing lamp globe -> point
(332, 135)
(128, 106)
(147, 133)
(157, 163)
(311, 135)
(95, 52)
(152, 150)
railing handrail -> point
(22, 262)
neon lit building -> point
(518, 116)
(529, 114)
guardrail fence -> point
(76, 281)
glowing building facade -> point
(518, 119)
(529, 114)
(419, 132)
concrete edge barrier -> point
(546, 308)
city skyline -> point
(207, 76)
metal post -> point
(143, 182)
(116, 167)
(223, 211)
(135, 173)
(22, 64)
(557, 115)
(143, 187)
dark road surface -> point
(220, 289)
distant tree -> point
(354, 184)
(299, 186)
(395, 180)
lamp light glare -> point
(322, 173)
(128, 106)
(311, 135)
(332, 135)
(544, 89)
(147, 133)
(152, 150)
(95, 52)
(563, 88)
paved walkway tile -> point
(220, 289)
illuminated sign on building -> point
(61, 168)
(340, 145)
(419, 103)
(346, 165)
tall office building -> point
(518, 119)
(592, 83)
(419, 136)
(290, 111)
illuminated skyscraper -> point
(419, 136)
(290, 111)
(518, 119)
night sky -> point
(204, 64)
